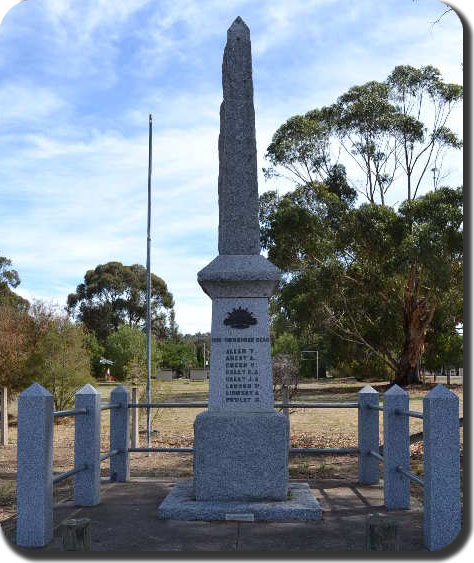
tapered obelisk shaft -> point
(241, 421)
(238, 188)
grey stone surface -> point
(442, 494)
(87, 447)
(35, 467)
(238, 189)
(119, 435)
(3, 416)
(396, 449)
(239, 276)
(180, 504)
(368, 428)
(241, 455)
(240, 363)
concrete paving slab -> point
(127, 521)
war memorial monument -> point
(240, 443)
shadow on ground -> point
(126, 521)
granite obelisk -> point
(241, 442)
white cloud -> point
(23, 102)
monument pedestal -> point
(241, 456)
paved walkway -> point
(126, 521)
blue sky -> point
(78, 79)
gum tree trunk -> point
(418, 314)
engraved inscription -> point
(242, 383)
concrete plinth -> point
(299, 505)
(241, 456)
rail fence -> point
(441, 480)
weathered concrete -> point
(345, 505)
(396, 449)
(35, 467)
(76, 534)
(381, 533)
(3, 416)
(368, 429)
(87, 447)
(119, 435)
(442, 492)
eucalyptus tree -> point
(371, 275)
(387, 133)
(113, 294)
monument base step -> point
(180, 505)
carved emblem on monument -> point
(240, 318)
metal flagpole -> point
(148, 292)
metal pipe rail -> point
(414, 414)
(378, 408)
(165, 405)
(66, 474)
(317, 405)
(107, 406)
(376, 455)
(310, 451)
(325, 451)
(70, 412)
(162, 450)
(108, 454)
(277, 405)
(411, 476)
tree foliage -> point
(178, 354)
(368, 279)
(126, 347)
(383, 131)
(113, 294)
(9, 279)
(60, 360)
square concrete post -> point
(442, 493)
(134, 414)
(119, 435)
(396, 448)
(368, 417)
(34, 527)
(3, 416)
(87, 447)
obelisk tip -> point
(238, 29)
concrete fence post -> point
(87, 447)
(368, 428)
(135, 413)
(442, 492)
(119, 435)
(34, 527)
(396, 448)
(3, 416)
